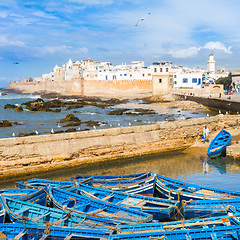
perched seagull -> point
(13, 135)
(207, 115)
(58, 125)
(52, 131)
(141, 20)
(36, 132)
(94, 127)
(149, 122)
(110, 125)
(79, 129)
(119, 124)
(219, 111)
(226, 112)
(129, 124)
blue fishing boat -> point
(92, 207)
(225, 227)
(219, 144)
(160, 209)
(40, 231)
(143, 186)
(16, 192)
(20, 211)
(209, 208)
(112, 177)
(36, 183)
(175, 189)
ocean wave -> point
(19, 96)
(89, 113)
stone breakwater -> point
(28, 155)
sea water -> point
(44, 122)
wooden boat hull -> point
(160, 209)
(203, 208)
(144, 186)
(19, 211)
(226, 227)
(30, 232)
(92, 207)
(175, 189)
(218, 145)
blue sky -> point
(41, 34)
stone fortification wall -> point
(31, 154)
(117, 87)
(87, 87)
(63, 87)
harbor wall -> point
(223, 104)
(79, 86)
(41, 153)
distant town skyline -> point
(41, 34)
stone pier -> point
(41, 153)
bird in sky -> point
(16, 63)
(141, 19)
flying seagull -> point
(141, 19)
(16, 63)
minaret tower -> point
(211, 64)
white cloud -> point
(184, 53)
(192, 51)
(5, 41)
(217, 46)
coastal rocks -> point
(118, 111)
(10, 106)
(40, 105)
(70, 118)
(5, 123)
(137, 111)
(19, 109)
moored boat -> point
(20, 211)
(225, 227)
(144, 186)
(209, 208)
(46, 231)
(95, 207)
(160, 209)
(112, 177)
(175, 189)
(219, 144)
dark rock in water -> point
(19, 109)
(5, 123)
(74, 106)
(16, 123)
(59, 131)
(54, 104)
(26, 134)
(10, 106)
(118, 111)
(40, 105)
(71, 130)
(141, 111)
(70, 118)
(55, 110)
(73, 124)
(92, 123)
